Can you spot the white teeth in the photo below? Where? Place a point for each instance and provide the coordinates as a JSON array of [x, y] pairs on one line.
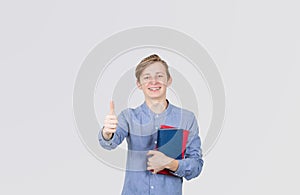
[[154, 88]]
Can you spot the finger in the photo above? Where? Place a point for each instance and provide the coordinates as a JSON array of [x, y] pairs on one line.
[[111, 126], [111, 116], [111, 121], [108, 130], [150, 169], [112, 107], [151, 152]]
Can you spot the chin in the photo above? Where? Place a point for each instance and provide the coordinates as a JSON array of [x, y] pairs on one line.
[[154, 97]]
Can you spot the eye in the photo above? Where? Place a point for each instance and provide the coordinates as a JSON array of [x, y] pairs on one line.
[[146, 78], [160, 75]]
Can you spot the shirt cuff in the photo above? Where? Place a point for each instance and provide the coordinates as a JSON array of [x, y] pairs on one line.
[[104, 142], [180, 170]]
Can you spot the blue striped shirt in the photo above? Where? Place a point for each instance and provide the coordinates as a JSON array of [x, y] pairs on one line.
[[139, 127]]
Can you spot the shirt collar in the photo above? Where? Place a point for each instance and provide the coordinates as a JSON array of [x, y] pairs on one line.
[[146, 109]]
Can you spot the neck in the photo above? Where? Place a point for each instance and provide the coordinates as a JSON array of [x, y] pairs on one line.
[[157, 106]]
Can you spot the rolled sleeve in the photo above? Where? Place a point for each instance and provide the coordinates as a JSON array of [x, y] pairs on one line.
[[107, 144], [189, 168]]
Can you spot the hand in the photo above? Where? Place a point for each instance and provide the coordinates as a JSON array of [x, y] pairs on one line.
[[158, 161], [110, 123]]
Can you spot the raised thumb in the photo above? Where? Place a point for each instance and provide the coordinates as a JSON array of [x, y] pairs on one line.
[[111, 107]]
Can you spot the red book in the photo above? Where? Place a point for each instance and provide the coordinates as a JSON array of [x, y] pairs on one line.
[[172, 142]]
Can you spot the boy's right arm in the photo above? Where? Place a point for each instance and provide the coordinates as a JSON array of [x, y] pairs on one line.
[[114, 130]]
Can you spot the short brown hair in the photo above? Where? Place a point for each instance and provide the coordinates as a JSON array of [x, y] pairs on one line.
[[148, 61]]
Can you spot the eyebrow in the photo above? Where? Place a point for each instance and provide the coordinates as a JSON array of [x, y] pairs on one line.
[[155, 73]]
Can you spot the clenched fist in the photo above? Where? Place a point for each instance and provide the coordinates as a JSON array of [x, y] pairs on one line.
[[110, 123], [158, 161]]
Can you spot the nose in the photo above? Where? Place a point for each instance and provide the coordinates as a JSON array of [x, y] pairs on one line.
[[153, 80]]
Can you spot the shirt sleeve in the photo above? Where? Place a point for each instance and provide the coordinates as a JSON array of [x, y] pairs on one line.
[[191, 166], [118, 137]]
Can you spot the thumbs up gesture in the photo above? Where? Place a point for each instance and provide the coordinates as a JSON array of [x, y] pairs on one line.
[[110, 123]]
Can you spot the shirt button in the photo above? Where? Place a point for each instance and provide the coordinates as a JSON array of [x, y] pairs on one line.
[[157, 116], [151, 187], [155, 142], [156, 128]]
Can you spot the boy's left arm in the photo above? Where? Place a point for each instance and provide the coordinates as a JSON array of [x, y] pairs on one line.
[[191, 166]]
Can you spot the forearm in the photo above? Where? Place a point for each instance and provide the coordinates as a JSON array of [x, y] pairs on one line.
[[173, 165]]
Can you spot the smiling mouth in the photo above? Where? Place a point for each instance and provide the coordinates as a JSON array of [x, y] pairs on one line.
[[154, 88]]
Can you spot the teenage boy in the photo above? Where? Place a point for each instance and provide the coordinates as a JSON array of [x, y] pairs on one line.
[[139, 126]]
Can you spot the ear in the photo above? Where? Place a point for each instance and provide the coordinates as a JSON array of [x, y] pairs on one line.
[[169, 82], [138, 84]]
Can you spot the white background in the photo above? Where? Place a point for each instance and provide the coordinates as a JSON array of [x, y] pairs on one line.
[[255, 44]]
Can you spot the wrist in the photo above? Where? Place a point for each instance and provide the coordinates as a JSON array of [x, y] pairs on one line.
[[173, 165]]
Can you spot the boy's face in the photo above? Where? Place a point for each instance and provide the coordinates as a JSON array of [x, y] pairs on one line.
[[154, 81]]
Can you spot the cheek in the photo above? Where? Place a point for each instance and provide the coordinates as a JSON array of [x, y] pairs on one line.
[[139, 85], [144, 87], [163, 82]]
